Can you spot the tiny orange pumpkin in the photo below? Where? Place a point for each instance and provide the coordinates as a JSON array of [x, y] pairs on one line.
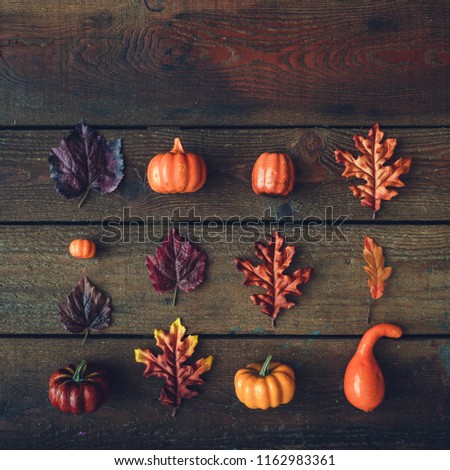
[[273, 174], [265, 385], [82, 248], [177, 171]]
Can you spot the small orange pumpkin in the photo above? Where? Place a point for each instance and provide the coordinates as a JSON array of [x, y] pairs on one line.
[[177, 171], [82, 248], [273, 174], [265, 385]]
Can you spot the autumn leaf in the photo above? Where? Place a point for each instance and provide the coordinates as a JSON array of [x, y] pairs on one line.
[[378, 273], [85, 161], [371, 167], [86, 309], [176, 263], [270, 275], [170, 365]]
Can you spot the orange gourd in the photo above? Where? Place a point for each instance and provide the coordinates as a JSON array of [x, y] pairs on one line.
[[177, 171], [82, 248], [273, 174], [265, 385], [363, 381]]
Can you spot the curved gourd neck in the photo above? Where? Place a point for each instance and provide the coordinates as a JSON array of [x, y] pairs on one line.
[[371, 336]]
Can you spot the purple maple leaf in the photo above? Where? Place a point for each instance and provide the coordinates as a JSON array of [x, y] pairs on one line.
[[86, 309], [85, 161], [176, 263]]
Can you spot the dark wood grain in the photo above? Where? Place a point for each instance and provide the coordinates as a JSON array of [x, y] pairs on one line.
[[37, 273], [28, 194], [233, 79], [225, 63], [414, 413]]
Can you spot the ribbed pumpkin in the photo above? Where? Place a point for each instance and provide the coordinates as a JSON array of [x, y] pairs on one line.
[[81, 389], [82, 248], [273, 174], [265, 385], [177, 171]]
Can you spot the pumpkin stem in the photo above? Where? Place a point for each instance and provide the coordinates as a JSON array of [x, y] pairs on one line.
[[265, 367], [85, 195], [78, 376], [177, 146]]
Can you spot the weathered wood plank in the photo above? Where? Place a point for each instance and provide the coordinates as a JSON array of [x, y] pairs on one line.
[[37, 273], [28, 194], [235, 63], [414, 413]]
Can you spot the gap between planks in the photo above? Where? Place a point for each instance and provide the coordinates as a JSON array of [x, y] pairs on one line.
[[259, 223], [145, 127], [227, 336]]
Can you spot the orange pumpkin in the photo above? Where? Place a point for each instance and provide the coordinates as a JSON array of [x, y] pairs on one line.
[[273, 174], [265, 385], [82, 248], [363, 381], [177, 171]]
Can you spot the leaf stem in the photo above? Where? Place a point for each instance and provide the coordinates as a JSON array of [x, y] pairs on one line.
[[369, 306], [265, 367], [174, 411], [85, 336], [174, 298], [374, 214], [85, 195], [274, 322]]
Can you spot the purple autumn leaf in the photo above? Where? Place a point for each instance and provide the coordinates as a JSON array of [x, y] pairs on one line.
[[85, 161], [176, 263], [86, 309]]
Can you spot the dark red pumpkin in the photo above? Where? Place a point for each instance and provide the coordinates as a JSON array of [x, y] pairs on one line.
[[77, 390], [273, 174]]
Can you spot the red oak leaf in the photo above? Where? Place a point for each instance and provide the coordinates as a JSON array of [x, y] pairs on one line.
[[170, 365], [371, 167], [176, 263], [269, 275]]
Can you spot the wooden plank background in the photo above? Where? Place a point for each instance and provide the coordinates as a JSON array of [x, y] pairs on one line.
[[334, 300], [243, 62], [319, 413], [229, 154], [233, 79]]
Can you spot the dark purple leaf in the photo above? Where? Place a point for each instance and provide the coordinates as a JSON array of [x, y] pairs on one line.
[[177, 262], [86, 308], [84, 161]]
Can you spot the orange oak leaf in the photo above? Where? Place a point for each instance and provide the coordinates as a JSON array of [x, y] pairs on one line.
[[378, 273], [170, 365], [371, 167], [269, 275]]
